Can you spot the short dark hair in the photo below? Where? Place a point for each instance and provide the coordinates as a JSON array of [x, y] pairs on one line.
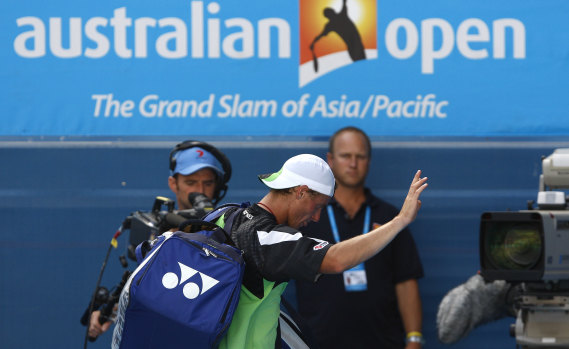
[[287, 191], [349, 129]]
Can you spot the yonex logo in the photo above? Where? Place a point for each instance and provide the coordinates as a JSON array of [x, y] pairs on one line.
[[190, 290], [200, 153]]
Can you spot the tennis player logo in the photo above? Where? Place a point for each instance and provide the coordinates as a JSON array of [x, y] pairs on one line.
[[335, 33]]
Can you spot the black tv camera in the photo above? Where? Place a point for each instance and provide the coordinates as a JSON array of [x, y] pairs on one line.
[[147, 225]]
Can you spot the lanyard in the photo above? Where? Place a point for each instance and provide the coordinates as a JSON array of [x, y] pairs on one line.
[[335, 227]]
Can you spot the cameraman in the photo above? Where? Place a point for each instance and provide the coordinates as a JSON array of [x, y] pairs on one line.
[[195, 167]]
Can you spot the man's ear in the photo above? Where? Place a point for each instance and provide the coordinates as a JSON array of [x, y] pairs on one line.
[[173, 184], [300, 191], [329, 158]]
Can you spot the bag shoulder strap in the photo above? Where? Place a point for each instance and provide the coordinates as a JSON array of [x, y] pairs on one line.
[[231, 210], [219, 211]]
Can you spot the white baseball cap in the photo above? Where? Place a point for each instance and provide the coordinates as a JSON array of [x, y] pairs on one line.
[[303, 169]]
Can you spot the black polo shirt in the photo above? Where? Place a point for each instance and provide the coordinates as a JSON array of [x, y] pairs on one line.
[[365, 319], [275, 251]]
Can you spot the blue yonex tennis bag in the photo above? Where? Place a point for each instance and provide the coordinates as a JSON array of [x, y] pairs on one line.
[[184, 292]]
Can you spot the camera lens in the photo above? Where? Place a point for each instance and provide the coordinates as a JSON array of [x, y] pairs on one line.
[[523, 246], [514, 246]]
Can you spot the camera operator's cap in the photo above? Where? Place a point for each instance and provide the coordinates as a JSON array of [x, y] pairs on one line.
[[303, 169], [194, 159]]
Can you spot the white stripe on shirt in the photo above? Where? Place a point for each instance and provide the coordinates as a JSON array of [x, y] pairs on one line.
[[275, 237]]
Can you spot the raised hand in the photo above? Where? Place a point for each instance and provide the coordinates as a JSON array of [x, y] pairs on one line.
[[412, 203]]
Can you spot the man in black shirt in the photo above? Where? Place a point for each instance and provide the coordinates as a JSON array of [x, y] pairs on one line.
[[377, 304]]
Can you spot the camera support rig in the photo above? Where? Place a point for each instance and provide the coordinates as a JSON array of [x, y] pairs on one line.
[[542, 316]]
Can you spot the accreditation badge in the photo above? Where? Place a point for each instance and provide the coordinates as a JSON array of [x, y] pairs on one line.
[[355, 279]]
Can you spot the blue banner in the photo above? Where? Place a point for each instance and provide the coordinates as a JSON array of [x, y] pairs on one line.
[[266, 67]]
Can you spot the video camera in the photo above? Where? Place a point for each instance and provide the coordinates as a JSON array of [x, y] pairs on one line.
[[530, 249], [146, 225], [531, 245]]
